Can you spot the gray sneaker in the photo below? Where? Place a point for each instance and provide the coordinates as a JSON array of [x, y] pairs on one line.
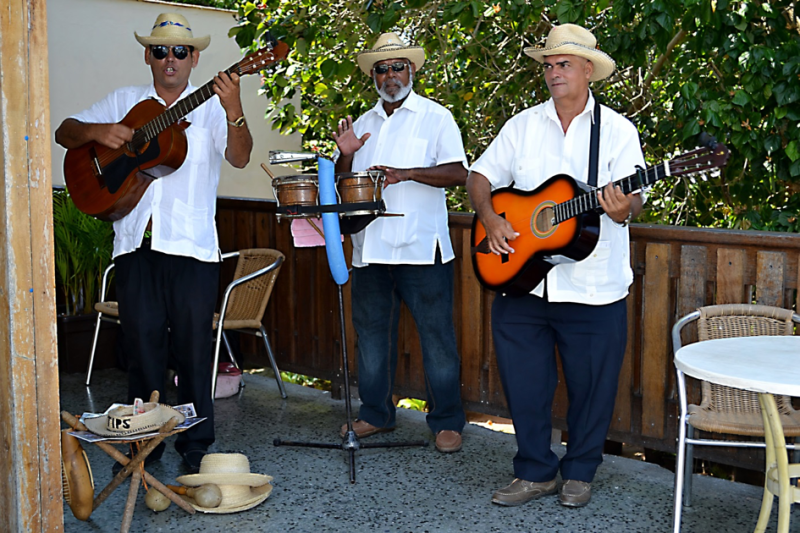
[[575, 493], [521, 491]]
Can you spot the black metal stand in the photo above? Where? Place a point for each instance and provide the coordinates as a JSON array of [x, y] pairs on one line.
[[350, 442]]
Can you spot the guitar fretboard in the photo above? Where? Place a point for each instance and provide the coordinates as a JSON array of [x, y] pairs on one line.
[[588, 201], [172, 115]]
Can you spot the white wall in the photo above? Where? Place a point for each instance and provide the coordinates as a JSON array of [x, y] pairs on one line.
[[93, 51]]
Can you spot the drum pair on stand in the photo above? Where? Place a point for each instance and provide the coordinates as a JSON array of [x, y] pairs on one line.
[[358, 199]]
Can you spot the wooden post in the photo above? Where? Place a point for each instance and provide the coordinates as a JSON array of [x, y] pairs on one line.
[[31, 498]]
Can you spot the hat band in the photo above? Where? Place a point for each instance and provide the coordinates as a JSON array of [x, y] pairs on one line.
[[565, 43], [171, 23]]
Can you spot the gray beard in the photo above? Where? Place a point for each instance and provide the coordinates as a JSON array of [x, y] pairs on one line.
[[402, 93]]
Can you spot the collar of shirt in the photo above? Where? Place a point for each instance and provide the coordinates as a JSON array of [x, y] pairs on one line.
[[552, 114], [151, 93], [413, 102]]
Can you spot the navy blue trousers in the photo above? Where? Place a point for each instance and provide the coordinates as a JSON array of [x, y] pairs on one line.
[[166, 306], [591, 341], [377, 292]]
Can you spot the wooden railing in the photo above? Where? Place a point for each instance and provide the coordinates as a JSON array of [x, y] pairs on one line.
[[676, 270]]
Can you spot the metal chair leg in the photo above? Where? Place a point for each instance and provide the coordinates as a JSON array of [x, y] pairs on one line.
[[688, 468], [230, 351], [272, 362], [94, 349]]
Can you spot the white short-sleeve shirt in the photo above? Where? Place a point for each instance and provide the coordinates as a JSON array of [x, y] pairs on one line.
[[531, 148], [182, 204], [420, 133]]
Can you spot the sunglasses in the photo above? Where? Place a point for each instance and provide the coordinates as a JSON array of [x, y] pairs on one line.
[[384, 68], [180, 52]]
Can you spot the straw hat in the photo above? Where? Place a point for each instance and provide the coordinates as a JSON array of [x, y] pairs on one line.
[[172, 29], [240, 488], [578, 41], [122, 422], [390, 46]]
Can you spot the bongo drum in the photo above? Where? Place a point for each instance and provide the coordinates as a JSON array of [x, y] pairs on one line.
[[295, 191], [360, 192]]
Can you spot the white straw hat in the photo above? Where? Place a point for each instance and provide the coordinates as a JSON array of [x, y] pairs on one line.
[[390, 46], [172, 29], [121, 422], [574, 40], [240, 488]]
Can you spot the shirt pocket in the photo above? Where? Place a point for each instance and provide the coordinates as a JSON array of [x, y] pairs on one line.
[[190, 222], [398, 232], [526, 172], [407, 153]]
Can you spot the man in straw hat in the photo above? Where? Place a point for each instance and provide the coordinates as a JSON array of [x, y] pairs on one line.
[[166, 249], [418, 146], [580, 306]]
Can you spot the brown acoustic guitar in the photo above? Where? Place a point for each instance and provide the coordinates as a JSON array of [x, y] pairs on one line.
[[559, 221], [107, 183]]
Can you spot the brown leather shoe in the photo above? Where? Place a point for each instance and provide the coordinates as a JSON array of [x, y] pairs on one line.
[[521, 491], [448, 441], [363, 429], [575, 493]]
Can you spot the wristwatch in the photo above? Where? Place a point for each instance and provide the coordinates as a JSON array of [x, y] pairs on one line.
[[238, 123], [627, 220]]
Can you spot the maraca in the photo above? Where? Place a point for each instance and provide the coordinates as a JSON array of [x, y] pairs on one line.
[[208, 495], [155, 500]]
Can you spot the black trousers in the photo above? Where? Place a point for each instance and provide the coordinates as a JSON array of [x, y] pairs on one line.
[[591, 341], [166, 306]]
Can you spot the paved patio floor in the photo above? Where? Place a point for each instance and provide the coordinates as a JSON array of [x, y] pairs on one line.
[[412, 490]]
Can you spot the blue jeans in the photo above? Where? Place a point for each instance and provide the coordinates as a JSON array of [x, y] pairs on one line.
[[427, 290]]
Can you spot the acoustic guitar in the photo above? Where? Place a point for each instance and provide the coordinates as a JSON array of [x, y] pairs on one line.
[[559, 221], [107, 183]]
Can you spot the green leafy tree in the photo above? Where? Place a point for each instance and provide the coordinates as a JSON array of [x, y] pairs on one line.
[[684, 66]]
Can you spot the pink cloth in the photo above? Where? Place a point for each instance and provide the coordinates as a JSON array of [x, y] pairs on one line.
[[305, 235]]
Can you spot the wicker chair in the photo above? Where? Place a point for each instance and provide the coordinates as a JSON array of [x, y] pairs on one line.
[[252, 264], [245, 301], [724, 409]]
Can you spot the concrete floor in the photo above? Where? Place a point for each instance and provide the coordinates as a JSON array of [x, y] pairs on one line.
[[412, 490]]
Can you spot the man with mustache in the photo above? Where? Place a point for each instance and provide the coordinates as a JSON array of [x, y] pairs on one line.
[[418, 146]]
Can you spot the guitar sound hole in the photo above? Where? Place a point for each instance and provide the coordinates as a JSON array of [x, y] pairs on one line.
[[543, 221]]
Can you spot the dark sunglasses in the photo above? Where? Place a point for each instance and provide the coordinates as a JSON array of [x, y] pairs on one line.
[[180, 52], [384, 68]]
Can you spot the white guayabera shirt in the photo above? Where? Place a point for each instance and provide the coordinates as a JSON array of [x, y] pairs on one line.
[[420, 133], [531, 148], [182, 204]]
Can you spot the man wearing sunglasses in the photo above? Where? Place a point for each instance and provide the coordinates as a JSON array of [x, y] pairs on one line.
[[418, 146], [166, 249]]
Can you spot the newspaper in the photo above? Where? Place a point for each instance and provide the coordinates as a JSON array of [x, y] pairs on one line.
[[187, 409]]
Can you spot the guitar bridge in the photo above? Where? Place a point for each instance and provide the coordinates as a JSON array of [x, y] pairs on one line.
[[97, 170]]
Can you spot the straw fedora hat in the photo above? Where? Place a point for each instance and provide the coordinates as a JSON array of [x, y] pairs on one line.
[[390, 46], [172, 29], [578, 41], [121, 421], [240, 488]]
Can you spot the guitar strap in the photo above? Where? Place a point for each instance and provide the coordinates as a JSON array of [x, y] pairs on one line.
[[594, 145]]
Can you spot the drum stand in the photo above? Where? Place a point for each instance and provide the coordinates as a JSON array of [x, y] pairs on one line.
[[350, 442]]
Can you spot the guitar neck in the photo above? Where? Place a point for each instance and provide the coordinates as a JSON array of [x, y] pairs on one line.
[[182, 108], [588, 201]]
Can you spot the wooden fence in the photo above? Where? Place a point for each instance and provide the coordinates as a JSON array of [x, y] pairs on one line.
[[676, 270]]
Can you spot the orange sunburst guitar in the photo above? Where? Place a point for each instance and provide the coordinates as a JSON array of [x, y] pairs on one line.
[[108, 183], [559, 222]]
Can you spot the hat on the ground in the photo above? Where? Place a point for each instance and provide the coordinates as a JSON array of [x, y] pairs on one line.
[[390, 46], [121, 421], [578, 41], [172, 29], [240, 488]]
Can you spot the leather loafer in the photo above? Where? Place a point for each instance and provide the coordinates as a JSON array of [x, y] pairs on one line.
[[521, 491], [363, 429], [192, 459], [448, 441], [575, 493]]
